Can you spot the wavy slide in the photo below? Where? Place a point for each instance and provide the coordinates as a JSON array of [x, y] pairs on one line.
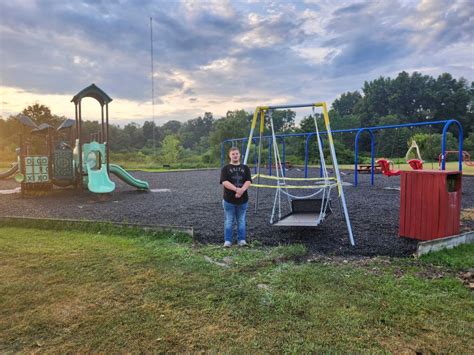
[[125, 176], [9, 172]]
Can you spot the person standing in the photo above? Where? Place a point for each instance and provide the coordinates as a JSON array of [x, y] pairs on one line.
[[236, 179]]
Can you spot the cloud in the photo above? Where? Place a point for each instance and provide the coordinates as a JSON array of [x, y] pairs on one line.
[[219, 55], [437, 25]]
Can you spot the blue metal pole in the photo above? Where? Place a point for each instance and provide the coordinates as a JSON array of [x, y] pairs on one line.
[[306, 159], [356, 156], [373, 128], [372, 155], [443, 144], [461, 141], [222, 153]]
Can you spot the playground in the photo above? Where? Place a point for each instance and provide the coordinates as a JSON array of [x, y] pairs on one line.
[[324, 260], [193, 198], [290, 205]]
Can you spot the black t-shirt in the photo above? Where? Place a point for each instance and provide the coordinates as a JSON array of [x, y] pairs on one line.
[[237, 175]]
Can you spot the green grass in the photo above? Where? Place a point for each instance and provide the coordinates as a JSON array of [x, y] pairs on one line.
[[84, 291], [460, 258]]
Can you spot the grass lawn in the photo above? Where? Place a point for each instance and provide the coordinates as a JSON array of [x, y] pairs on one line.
[[78, 292]]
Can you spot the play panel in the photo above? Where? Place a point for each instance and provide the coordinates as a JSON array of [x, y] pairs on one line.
[[36, 169]]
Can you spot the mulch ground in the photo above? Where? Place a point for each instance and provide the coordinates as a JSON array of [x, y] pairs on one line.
[[194, 198]]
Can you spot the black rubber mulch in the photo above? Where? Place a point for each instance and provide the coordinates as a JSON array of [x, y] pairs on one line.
[[194, 198]]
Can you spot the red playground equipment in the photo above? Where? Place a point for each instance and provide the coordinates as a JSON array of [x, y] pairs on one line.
[[416, 164], [387, 167], [466, 157]]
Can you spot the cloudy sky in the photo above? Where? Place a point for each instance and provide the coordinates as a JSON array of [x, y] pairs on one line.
[[220, 55]]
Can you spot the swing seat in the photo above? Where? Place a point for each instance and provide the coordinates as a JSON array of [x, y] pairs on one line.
[[415, 164], [304, 213], [386, 169]]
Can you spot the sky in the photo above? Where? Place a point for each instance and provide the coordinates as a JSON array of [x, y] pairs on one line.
[[219, 55]]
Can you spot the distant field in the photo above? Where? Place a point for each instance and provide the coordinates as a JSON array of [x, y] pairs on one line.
[[63, 292]]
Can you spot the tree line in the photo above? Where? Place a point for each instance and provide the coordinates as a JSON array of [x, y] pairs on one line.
[[403, 99]]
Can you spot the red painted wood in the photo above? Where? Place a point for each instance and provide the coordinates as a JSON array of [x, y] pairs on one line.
[[443, 212], [401, 228], [427, 209]]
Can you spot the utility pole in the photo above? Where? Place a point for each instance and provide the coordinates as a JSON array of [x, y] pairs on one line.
[[152, 85]]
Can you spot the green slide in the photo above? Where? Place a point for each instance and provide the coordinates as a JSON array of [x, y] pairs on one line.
[[99, 180], [123, 175], [9, 172]]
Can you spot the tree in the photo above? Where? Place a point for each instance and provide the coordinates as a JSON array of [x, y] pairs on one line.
[[42, 114], [416, 98], [193, 130], [90, 129], [236, 124], [171, 127], [307, 123], [468, 145], [148, 128], [375, 102], [170, 149], [119, 140], [283, 121], [345, 104], [430, 144], [410, 97], [452, 99]]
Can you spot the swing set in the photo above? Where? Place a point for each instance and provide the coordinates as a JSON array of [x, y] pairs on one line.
[[372, 167], [308, 210]]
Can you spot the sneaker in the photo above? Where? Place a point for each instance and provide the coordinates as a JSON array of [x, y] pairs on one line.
[[242, 243], [227, 244]]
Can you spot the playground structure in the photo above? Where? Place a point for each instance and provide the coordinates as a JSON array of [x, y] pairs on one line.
[[305, 211], [416, 163], [46, 156], [466, 157], [308, 136], [387, 166]]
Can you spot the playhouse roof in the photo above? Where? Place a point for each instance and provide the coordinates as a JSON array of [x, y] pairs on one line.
[[92, 91], [67, 123], [42, 128], [25, 120]]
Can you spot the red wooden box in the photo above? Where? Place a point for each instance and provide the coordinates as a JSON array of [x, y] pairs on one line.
[[430, 204]]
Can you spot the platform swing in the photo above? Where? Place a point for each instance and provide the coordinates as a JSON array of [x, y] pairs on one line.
[[309, 210]]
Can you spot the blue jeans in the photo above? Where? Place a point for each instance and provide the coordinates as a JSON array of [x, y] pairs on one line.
[[234, 213]]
